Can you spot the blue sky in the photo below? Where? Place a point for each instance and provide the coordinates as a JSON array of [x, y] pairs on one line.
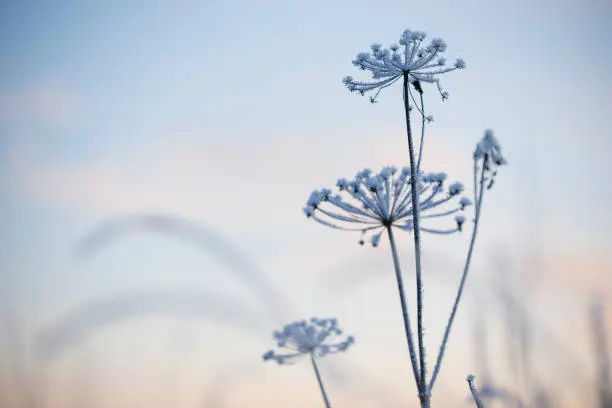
[[230, 113]]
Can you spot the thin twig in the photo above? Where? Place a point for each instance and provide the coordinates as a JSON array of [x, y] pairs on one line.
[[474, 391], [480, 194], [423, 394], [323, 393], [422, 134]]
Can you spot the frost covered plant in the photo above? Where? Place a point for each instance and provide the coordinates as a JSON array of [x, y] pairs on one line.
[[487, 158], [376, 203], [314, 339], [373, 203], [411, 59], [415, 64]]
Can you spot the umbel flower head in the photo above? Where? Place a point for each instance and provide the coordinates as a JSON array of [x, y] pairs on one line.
[[316, 338], [488, 153], [422, 63], [372, 202]]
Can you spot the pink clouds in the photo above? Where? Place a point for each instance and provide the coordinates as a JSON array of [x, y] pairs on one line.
[[581, 271]]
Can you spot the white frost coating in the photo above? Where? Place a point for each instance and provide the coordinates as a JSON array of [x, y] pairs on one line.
[[372, 202], [487, 157], [422, 63], [464, 202], [317, 338], [460, 219], [488, 153], [489, 145], [455, 188], [376, 239]]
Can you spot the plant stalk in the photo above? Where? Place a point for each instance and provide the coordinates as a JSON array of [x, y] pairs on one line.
[[480, 194], [400, 288], [320, 381], [422, 134], [423, 394], [474, 391]]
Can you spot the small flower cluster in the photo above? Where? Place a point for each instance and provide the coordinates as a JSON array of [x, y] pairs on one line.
[[317, 338], [410, 57], [488, 150], [372, 202]]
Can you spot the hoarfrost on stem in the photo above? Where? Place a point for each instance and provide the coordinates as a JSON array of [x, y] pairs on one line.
[[475, 394], [487, 158]]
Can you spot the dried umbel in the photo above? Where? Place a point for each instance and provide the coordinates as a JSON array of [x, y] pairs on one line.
[[371, 202], [317, 338], [421, 63]]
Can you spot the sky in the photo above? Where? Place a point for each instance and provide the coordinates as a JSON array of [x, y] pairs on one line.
[[229, 114]]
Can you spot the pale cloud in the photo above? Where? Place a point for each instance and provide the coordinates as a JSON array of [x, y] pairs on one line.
[[242, 183], [256, 187], [253, 186], [46, 103]]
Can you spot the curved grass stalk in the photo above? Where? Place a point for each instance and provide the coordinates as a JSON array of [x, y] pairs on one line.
[[205, 238]]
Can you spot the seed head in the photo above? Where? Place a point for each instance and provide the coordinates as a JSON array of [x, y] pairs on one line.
[[318, 337], [421, 63], [372, 202]]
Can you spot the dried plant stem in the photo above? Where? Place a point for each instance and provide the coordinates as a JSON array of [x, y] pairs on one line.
[[423, 120], [422, 380], [320, 381], [477, 400], [479, 194], [402, 296]]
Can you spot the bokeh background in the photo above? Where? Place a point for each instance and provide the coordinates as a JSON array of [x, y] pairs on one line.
[[226, 115]]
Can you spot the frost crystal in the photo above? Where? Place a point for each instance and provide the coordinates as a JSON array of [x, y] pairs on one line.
[[411, 57], [372, 202], [317, 338]]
